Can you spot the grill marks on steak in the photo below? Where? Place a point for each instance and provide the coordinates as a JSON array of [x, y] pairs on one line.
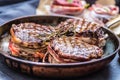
[[73, 48], [74, 40], [30, 31], [85, 43], [30, 34], [29, 40], [81, 28]]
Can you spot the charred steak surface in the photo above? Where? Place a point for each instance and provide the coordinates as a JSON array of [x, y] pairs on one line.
[[74, 40], [30, 34], [74, 48], [90, 32], [81, 27]]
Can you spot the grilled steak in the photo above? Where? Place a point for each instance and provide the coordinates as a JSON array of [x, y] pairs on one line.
[[26, 53], [29, 40], [73, 49], [30, 35], [81, 28], [74, 40]]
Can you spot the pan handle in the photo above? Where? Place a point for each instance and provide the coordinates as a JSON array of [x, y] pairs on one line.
[[113, 21]]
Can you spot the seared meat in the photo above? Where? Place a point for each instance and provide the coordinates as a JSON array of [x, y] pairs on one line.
[[26, 53], [74, 40], [73, 49], [30, 35], [84, 29], [81, 27], [29, 40]]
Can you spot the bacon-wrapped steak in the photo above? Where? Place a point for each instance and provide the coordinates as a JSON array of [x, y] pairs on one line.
[[74, 40], [72, 49], [29, 40], [31, 35], [88, 31]]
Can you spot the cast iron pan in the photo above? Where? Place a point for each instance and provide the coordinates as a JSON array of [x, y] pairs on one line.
[[54, 70]]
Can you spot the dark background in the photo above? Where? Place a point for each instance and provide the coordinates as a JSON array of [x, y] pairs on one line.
[[10, 9]]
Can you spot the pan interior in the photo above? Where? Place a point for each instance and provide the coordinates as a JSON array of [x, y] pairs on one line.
[[109, 48]]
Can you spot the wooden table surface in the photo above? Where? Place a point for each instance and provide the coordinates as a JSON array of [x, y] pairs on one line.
[[110, 72]]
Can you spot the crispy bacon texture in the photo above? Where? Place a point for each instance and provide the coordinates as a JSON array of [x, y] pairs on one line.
[[26, 53]]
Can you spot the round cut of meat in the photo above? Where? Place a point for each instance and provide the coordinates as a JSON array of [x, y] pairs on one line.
[[90, 32], [73, 49], [30, 35]]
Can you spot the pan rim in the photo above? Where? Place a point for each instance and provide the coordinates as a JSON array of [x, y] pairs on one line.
[[56, 64]]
